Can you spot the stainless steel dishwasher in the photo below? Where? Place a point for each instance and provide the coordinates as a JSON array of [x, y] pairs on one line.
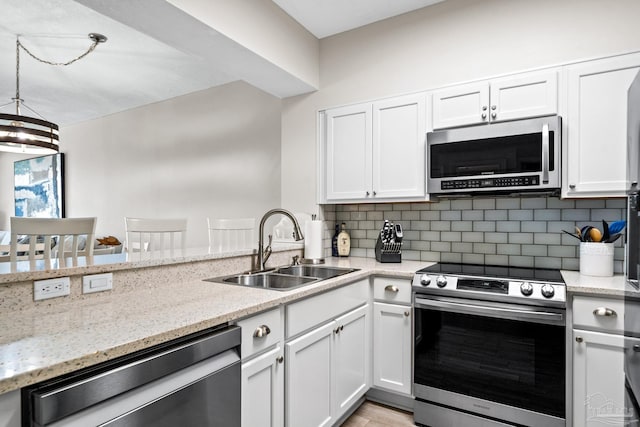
[[191, 381]]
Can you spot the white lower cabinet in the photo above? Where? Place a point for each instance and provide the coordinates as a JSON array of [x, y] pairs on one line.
[[600, 358], [327, 370], [263, 390], [392, 347]]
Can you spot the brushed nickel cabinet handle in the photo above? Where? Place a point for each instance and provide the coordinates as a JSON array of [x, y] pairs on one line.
[[605, 312], [261, 331], [407, 313], [636, 348], [336, 330], [579, 339], [280, 359], [391, 288]]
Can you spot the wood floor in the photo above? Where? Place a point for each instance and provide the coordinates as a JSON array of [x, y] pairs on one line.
[[372, 414]]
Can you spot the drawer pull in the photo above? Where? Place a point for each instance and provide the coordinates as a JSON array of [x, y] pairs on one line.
[[605, 312], [261, 331], [636, 348], [579, 339], [280, 359], [391, 288], [407, 313], [336, 330]]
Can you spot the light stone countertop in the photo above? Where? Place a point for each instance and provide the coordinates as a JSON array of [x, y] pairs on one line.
[[615, 286], [50, 340]]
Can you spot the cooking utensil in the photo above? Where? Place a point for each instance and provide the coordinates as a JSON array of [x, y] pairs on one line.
[[595, 235], [605, 231], [617, 226], [613, 238], [573, 235]]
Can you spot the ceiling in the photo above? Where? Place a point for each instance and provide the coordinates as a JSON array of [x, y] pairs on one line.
[[146, 58]]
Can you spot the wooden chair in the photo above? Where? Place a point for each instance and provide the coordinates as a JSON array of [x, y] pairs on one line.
[[148, 235], [228, 235], [48, 229]]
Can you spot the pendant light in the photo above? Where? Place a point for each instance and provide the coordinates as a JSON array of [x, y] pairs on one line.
[[32, 135]]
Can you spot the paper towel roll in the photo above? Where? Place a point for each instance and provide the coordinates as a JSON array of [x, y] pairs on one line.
[[313, 240]]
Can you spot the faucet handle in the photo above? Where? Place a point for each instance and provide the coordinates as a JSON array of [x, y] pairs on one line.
[[295, 260]]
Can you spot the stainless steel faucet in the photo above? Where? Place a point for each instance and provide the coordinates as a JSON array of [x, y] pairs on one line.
[[265, 253]]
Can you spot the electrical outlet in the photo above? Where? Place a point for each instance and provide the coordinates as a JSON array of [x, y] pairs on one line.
[[51, 288], [97, 283]]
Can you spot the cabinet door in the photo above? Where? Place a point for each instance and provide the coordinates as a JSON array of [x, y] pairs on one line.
[[399, 132], [348, 153], [524, 96], [308, 378], [263, 390], [351, 373], [599, 378], [461, 105], [596, 143], [392, 347]]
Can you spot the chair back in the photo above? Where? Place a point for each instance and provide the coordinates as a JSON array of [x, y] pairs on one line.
[[227, 235], [44, 233], [157, 236]]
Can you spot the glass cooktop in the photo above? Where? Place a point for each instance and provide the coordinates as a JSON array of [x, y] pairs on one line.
[[496, 271]]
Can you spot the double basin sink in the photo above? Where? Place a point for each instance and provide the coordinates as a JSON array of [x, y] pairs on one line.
[[284, 278]]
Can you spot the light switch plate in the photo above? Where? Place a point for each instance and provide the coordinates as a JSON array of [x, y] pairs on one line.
[[51, 288], [97, 283]]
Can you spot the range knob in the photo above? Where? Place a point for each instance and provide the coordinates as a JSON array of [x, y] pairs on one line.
[[547, 291], [425, 280], [441, 281], [526, 289]]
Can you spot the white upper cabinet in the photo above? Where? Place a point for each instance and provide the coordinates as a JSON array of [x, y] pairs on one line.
[[376, 151], [596, 126], [515, 97], [399, 134], [461, 105], [348, 151]]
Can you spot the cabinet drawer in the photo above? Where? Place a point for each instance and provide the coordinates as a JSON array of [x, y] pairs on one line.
[[392, 290], [303, 315], [584, 316], [260, 332]]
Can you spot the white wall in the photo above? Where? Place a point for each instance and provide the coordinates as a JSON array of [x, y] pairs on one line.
[[210, 153], [450, 42]]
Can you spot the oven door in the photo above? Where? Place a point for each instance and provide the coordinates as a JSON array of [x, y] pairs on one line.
[[501, 361]]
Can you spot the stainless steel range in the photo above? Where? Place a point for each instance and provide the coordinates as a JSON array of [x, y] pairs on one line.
[[489, 346]]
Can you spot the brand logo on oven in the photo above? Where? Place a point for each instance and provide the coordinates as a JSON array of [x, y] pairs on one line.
[[606, 411]]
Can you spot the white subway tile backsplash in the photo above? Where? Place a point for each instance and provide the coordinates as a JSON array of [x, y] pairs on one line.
[[441, 225], [484, 204], [534, 250], [450, 236], [430, 215], [496, 215], [508, 226], [473, 236], [508, 204], [484, 226], [546, 214], [450, 215], [521, 215], [533, 203], [533, 226], [521, 238], [522, 232], [472, 215], [461, 205], [461, 225], [547, 238]]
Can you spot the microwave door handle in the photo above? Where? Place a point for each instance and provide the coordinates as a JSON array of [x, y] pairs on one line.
[[545, 153]]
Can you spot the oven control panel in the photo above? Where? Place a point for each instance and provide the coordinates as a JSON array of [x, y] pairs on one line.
[[505, 288]]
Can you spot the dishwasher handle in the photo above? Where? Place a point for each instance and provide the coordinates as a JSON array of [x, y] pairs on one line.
[[58, 398]]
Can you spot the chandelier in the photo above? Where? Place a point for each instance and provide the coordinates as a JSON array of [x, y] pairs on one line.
[[33, 135]]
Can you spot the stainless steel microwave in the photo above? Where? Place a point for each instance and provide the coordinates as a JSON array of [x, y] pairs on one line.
[[517, 156]]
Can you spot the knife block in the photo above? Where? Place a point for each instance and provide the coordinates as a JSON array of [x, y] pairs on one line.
[[388, 252]]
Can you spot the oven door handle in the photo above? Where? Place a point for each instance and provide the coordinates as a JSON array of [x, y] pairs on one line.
[[491, 311], [545, 153]]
